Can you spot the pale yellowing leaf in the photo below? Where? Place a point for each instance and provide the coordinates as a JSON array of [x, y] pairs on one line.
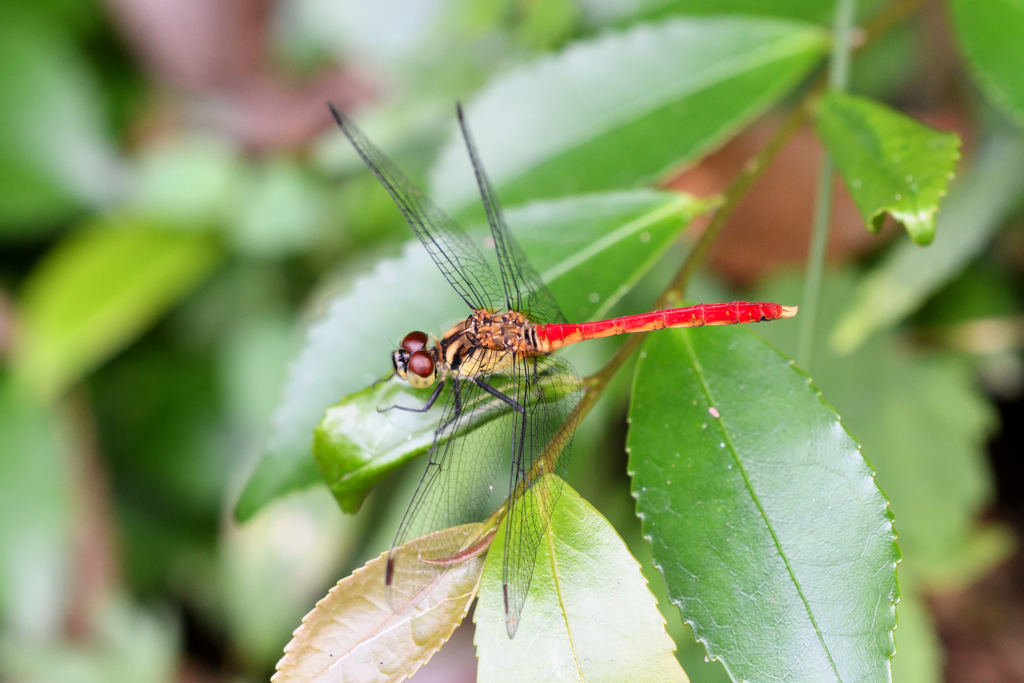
[[363, 632]]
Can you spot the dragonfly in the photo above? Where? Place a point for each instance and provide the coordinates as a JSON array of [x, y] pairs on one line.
[[510, 396]]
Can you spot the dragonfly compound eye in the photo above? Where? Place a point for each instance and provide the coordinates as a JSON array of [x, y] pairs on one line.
[[421, 364], [414, 341]]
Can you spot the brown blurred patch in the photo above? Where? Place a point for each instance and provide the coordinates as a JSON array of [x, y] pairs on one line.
[[214, 58], [6, 324], [771, 227], [96, 561], [982, 627]]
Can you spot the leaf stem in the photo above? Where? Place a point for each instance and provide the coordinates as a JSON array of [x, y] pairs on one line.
[[674, 294], [838, 75]]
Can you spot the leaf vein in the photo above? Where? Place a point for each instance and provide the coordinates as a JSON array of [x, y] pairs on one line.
[[561, 601]]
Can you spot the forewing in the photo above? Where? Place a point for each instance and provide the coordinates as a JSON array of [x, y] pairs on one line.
[[454, 253], [550, 389], [524, 290]]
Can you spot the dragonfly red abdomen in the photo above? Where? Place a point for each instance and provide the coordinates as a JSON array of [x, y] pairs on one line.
[[553, 337]]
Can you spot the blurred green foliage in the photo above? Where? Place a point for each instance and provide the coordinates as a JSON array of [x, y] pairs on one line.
[[181, 301]]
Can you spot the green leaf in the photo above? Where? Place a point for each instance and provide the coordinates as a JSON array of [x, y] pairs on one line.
[[889, 162], [36, 515], [589, 617], [190, 182], [357, 445], [989, 33], [55, 154], [599, 12], [280, 212], [605, 11], [98, 290], [907, 276], [590, 249], [353, 634], [765, 519], [924, 424], [625, 108]]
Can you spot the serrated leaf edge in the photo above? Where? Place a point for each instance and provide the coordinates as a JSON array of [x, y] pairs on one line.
[[894, 599]]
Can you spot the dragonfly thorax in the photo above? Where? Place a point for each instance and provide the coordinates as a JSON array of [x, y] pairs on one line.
[[504, 331]]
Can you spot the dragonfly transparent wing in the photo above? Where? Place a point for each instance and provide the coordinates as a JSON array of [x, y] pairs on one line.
[[524, 290], [461, 262], [457, 486], [549, 388]]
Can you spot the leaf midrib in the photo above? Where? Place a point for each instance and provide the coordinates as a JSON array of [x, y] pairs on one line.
[[398, 619], [757, 501], [561, 601]]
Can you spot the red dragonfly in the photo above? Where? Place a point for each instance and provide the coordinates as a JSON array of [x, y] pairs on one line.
[[509, 394]]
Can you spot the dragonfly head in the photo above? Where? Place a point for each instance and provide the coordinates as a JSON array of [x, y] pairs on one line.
[[413, 362]]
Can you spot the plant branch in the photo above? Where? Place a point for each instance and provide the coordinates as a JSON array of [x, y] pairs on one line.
[[838, 75], [674, 294], [594, 385]]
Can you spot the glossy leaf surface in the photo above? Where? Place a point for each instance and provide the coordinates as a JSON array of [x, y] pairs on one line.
[[907, 275], [590, 615], [590, 250], [924, 423], [905, 408], [989, 33], [356, 445], [764, 517], [354, 634], [891, 164], [625, 108], [99, 289]]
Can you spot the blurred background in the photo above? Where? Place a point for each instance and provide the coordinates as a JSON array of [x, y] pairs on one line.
[[175, 208]]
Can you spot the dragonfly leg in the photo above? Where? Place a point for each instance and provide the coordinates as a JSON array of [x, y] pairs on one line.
[[392, 374], [427, 406], [518, 458], [500, 396]]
